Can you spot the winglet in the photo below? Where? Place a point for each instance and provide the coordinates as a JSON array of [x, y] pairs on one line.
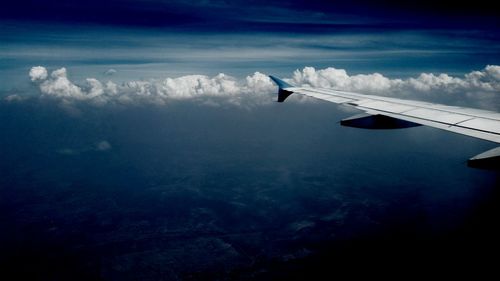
[[282, 94], [282, 84]]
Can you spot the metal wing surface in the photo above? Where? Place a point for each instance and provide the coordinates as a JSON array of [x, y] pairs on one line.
[[392, 113]]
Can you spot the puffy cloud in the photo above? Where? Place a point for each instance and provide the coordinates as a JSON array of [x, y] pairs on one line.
[[476, 89], [38, 73], [259, 83], [486, 80], [61, 87], [493, 71], [221, 87], [198, 85], [58, 85], [339, 79]]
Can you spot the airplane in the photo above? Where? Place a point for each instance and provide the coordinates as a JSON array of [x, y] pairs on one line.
[[393, 113]]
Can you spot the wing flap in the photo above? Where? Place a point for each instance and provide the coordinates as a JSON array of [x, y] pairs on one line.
[[437, 116], [471, 132], [487, 125]]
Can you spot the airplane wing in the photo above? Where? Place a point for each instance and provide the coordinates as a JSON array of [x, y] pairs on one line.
[[392, 113]]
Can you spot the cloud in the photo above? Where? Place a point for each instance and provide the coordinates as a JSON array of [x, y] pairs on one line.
[[110, 72], [14, 98], [189, 87], [58, 85], [67, 151], [476, 89], [103, 146], [38, 73]]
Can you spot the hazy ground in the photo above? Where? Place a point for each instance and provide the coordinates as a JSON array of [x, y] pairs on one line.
[[192, 191]]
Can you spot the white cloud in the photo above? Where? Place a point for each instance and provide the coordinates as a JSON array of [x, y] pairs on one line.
[[339, 79], [58, 85], [110, 71], [13, 98], [259, 84], [493, 71], [38, 73], [487, 80], [476, 89], [221, 87], [198, 85]]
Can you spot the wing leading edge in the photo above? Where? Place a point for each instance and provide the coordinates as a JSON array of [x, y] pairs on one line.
[[392, 113]]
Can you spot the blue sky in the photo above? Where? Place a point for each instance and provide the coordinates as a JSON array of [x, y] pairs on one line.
[[151, 55], [256, 14], [158, 39]]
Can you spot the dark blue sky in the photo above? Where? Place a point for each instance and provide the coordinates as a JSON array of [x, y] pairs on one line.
[[154, 39], [395, 38], [258, 14]]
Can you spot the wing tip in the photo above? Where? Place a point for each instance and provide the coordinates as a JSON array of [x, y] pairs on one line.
[[281, 84]]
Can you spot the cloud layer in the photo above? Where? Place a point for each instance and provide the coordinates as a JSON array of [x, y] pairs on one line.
[[475, 89], [193, 87]]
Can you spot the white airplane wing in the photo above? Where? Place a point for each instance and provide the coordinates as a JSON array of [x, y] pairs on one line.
[[392, 113]]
